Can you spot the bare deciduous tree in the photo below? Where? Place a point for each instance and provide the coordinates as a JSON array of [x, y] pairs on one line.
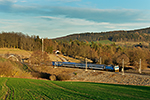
[[121, 57], [39, 58]]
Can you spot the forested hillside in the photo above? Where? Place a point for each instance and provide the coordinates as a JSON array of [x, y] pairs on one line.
[[115, 36], [110, 54], [19, 40], [25, 42]]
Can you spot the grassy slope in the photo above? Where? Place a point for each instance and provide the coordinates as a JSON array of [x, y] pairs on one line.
[[25, 53], [132, 43], [15, 51], [103, 42], [13, 69], [15, 88]]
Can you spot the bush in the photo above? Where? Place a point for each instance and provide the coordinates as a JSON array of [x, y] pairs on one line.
[[63, 77], [10, 68], [39, 58], [52, 78], [75, 73], [6, 69]]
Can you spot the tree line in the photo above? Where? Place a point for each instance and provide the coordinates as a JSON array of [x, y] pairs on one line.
[[19, 40], [110, 54], [115, 36]]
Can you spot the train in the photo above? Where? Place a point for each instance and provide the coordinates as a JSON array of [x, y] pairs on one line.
[[89, 66]]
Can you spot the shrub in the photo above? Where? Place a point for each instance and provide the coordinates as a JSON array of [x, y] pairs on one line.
[[120, 58], [39, 58], [75, 73], [10, 68], [6, 69], [63, 77], [52, 78]]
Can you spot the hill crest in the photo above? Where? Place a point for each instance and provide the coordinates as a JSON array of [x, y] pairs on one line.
[[115, 36]]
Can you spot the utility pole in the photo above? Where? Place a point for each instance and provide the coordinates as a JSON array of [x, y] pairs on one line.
[[42, 49], [42, 45], [100, 59], [122, 66], [86, 64], [140, 66]]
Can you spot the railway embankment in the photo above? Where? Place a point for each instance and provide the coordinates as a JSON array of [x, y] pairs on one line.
[[75, 74], [110, 77]]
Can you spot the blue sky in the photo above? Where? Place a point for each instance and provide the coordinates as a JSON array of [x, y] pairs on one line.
[[56, 18]]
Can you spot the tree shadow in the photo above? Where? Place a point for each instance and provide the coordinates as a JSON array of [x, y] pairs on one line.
[[38, 74]]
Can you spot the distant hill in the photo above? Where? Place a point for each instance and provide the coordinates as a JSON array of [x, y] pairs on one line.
[[115, 36]]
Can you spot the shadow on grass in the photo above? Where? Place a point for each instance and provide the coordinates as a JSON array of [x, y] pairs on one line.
[[40, 75], [147, 88], [37, 74]]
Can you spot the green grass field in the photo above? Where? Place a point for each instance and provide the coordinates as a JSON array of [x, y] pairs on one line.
[[106, 42], [31, 89], [103, 42]]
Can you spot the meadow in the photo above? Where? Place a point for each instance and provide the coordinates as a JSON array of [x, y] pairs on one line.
[[15, 51], [103, 42], [33, 89]]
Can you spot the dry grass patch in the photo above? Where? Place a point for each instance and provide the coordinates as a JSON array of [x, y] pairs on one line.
[[96, 73], [53, 57], [58, 70], [112, 75], [10, 68], [132, 43], [76, 60], [15, 51], [70, 59]]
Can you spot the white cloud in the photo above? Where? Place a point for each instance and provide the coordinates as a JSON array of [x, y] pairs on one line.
[[96, 15], [72, 21], [143, 19], [61, 26], [59, 21], [64, 25]]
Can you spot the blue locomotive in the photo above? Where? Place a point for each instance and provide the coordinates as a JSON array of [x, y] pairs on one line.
[[89, 66]]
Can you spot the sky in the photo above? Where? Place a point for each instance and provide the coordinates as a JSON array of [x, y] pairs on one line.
[[57, 18]]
